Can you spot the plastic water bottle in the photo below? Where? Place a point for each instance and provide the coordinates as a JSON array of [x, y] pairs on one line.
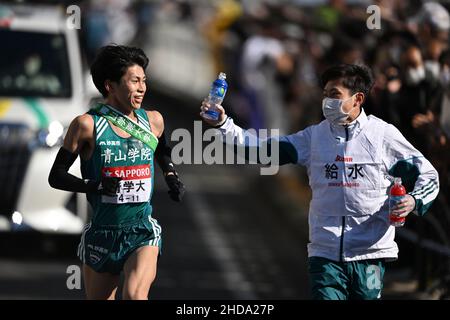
[[396, 194], [216, 96]]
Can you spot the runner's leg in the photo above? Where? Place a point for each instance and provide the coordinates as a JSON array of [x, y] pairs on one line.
[[100, 286], [140, 271]]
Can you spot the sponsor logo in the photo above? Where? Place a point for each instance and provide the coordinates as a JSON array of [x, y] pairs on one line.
[[128, 172], [94, 257], [343, 159], [109, 143]]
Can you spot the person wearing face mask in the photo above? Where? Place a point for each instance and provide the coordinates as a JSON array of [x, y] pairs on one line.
[[436, 122], [349, 157], [432, 52], [415, 75], [420, 87]]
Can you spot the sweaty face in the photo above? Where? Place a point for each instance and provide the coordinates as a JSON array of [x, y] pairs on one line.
[[129, 92]]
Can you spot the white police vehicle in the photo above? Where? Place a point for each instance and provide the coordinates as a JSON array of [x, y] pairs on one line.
[[42, 87]]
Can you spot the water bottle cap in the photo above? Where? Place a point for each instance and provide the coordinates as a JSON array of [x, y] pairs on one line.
[[222, 76]]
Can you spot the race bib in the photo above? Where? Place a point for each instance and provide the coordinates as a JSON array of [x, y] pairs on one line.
[[135, 186]]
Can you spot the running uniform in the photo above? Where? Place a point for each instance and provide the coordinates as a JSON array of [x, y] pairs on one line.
[[348, 168], [122, 223]]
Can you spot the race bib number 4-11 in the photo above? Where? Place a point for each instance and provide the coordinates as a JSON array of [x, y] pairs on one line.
[[135, 185]]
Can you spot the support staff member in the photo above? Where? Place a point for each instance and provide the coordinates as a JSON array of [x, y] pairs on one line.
[[349, 157]]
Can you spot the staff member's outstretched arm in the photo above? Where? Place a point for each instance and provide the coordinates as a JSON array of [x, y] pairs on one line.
[[293, 148]]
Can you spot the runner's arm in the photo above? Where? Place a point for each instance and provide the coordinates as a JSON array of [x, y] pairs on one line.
[[163, 158], [60, 178]]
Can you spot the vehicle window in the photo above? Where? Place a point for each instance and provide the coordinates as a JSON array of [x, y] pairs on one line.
[[34, 64]]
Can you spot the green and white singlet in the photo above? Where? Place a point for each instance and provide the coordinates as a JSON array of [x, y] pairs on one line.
[[126, 158]]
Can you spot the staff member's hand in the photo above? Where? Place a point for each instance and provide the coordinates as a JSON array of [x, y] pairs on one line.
[[405, 206], [214, 123]]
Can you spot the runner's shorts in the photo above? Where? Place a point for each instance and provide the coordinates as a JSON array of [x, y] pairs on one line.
[[107, 248]]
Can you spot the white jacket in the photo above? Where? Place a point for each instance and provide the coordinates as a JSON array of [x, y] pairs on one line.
[[348, 169]]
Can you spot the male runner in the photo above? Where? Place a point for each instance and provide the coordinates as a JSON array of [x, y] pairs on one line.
[[117, 143]]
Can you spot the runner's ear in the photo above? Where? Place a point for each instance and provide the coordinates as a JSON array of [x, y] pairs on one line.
[[108, 86]]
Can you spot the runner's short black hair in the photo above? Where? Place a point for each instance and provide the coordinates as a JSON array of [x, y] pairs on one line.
[[356, 78], [112, 62]]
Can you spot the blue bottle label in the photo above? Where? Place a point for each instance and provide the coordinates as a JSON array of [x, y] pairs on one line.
[[212, 114], [219, 88], [218, 91]]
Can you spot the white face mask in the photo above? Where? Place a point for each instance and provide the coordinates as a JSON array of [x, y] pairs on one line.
[[415, 75], [433, 68], [332, 110]]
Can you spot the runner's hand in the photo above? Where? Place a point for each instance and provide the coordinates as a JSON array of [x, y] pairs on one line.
[[109, 186], [176, 187]]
